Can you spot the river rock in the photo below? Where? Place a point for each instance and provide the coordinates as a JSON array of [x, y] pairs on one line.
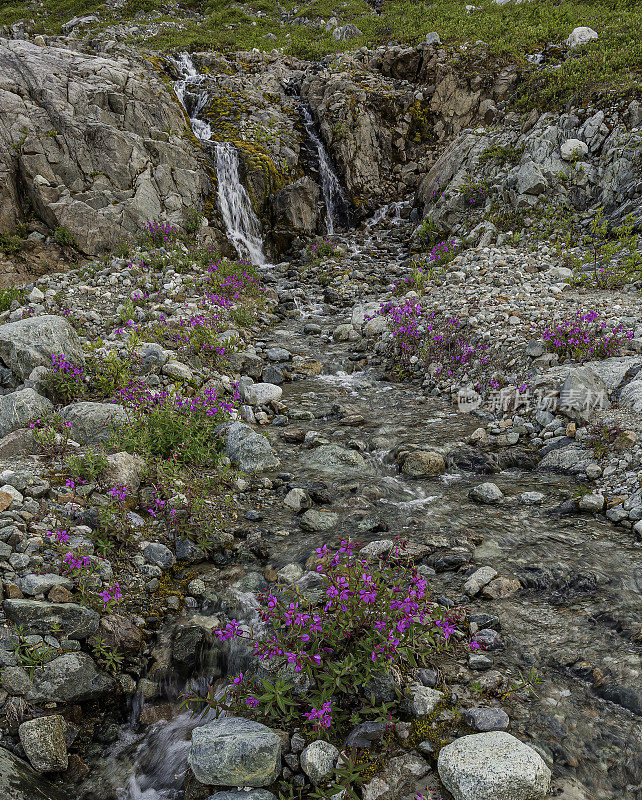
[[297, 500], [74, 621], [582, 394], [44, 742], [92, 423], [70, 678], [248, 450], [232, 751], [19, 781], [315, 520], [318, 760], [124, 469], [30, 343], [493, 766], [333, 459], [488, 493], [423, 464], [478, 580], [18, 408], [260, 394]]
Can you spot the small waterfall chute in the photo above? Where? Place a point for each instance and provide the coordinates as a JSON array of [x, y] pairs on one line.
[[337, 205], [242, 225]]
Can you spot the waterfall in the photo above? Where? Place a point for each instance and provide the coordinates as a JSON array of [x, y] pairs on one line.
[[337, 204], [242, 224]]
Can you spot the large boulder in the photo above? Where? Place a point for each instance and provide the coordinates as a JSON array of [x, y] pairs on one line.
[[92, 423], [582, 394], [493, 766], [36, 617], [232, 751], [18, 781], [18, 408], [295, 207], [30, 343], [248, 450], [103, 150], [332, 459], [70, 678]]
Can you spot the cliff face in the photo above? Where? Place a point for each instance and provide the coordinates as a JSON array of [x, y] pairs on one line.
[[90, 143]]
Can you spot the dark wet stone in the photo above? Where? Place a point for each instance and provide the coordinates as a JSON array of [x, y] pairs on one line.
[[365, 734], [630, 699]]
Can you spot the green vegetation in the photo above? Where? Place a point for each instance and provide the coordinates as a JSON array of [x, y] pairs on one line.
[[7, 296], [612, 65]]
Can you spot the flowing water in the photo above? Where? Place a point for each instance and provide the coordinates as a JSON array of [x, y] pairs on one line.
[[242, 225], [336, 203], [576, 620]]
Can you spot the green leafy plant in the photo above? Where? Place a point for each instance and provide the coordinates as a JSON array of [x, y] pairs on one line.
[[108, 658], [7, 296], [613, 254], [87, 466], [64, 237]]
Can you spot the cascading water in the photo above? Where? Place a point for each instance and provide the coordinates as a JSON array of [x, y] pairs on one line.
[[337, 204], [242, 224]]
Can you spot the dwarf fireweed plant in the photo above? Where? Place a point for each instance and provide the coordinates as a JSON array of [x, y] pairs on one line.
[[612, 254], [65, 380], [585, 338], [364, 620], [51, 435], [433, 338], [189, 505], [474, 194], [168, 425], [231, 280], [159, 233], [429, 268]]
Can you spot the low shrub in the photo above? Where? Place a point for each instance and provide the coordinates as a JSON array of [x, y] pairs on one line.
[[584, 338]]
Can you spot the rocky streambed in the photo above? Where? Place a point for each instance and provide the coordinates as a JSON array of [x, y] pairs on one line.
[[557, 594]]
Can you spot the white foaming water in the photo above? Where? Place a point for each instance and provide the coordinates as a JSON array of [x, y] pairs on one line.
[[242, 224], [391, 212], [333, 194]]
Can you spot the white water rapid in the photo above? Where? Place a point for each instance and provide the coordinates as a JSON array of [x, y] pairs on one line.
[[336, 202], [242, 224]]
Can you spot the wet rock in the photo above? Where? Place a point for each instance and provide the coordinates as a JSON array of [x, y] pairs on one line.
[[501, 587], [74, 621], [573, 459], [186, 648], [314, 520], [232, 751], [248, 450], [336, 460], [628, 698], [70, 678], [423, 464], [488, 493], [318, 760], [30, 343], [18, 408], [493, 766], [422, 700], [93, 423], [44, 743], [484, 720], [478, 580], [489, 639], [18, 781]]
